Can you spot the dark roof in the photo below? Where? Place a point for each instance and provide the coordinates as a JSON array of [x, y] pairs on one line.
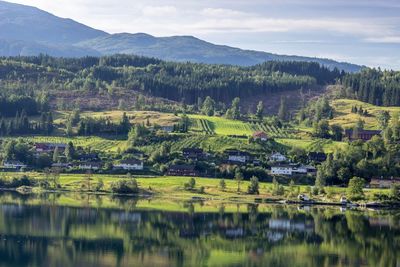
[[232, 152], [182, 167], [193, 150], [131, 161], [374, 132]]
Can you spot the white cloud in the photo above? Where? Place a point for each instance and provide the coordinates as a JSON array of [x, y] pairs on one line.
[[385, 40], [157, 11]]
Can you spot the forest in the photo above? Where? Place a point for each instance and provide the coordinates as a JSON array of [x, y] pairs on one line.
[[377, 87], [183, 82]]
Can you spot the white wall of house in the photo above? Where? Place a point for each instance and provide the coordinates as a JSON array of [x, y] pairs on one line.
[[137, 167], [235, 158], [282, 170]]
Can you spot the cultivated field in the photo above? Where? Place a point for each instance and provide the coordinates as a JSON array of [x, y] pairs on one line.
[[94, 143]]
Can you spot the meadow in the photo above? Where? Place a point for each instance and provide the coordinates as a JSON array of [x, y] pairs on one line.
[[93, 142], [345, 118], [172, 188]]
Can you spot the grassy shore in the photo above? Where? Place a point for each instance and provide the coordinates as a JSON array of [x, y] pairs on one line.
[[173, 188]]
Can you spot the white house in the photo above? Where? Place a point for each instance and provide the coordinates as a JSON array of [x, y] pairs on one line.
[[277, 157], [291, 169], [130, 164], [14, 164], [282, 170], [238, 156]]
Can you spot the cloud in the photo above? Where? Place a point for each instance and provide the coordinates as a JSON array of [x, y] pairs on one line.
[[385, 40], [158, 11]]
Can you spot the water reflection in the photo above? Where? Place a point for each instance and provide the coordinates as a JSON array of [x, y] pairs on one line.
[[47, 234]]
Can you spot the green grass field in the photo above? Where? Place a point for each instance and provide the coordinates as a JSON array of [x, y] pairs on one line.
[[173, 188], [94, 143]]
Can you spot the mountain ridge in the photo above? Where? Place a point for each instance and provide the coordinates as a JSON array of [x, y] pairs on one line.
[[28, 31]]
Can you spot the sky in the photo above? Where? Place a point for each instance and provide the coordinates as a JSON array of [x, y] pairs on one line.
[[365, 32]]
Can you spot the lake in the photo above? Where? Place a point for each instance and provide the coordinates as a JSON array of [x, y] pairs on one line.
[[59, 230]]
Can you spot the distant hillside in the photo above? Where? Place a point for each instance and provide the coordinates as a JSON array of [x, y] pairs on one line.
[[189, 48], [25, 23], [28, 31]]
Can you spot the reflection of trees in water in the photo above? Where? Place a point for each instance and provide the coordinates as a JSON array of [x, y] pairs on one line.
[[284, 236]]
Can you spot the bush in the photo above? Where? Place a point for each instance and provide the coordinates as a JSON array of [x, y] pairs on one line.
[[202, 190], [190, 185], [253, 187], [355, 189], [278, 190], [125, 187], [222, 184], [315, 191]]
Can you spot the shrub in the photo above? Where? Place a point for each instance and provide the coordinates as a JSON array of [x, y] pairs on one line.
[[278, 190], [190, 185], [254, 186], [99, 186], [125, 187], [202, 190], [222, 184], [355, 189]]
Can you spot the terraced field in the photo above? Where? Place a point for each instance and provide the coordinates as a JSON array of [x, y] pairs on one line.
[[95, 143], [227, 127]]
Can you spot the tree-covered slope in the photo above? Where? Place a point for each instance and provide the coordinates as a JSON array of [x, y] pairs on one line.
[[185, 82], [373, 86]]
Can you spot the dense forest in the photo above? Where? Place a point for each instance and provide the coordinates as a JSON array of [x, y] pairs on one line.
[[186, 82], [374, 86]]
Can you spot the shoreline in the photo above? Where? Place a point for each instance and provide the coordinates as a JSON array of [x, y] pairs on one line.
[[231, 200]]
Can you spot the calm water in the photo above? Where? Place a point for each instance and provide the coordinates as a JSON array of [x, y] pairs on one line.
[[39, 232]]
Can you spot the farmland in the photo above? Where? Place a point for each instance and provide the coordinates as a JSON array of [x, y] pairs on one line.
[[94, 143], [222, 126]]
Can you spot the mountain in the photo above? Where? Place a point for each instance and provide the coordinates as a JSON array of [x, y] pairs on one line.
[[28, 31], [189, 48]]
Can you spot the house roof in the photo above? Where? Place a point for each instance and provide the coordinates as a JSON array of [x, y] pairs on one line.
[[182, 167], [260, 134], [192, 150], [373, 132], [131, 161], [14, 162]]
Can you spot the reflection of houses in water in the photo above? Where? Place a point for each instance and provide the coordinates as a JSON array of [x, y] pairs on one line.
[[126, 217], [289, 225], [234, 233], [274, 236]]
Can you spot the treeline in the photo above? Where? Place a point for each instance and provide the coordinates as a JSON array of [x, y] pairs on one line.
[[21, 125], [184, 82], [374, 86], [91, 126]]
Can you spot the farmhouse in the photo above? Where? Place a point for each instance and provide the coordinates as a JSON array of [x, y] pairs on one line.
[[130, 164], [292, 169], [14, 164], [193, 153], [182, 170], [260, 136], [89, 157], [383, 183], [364, 135], [277, 157], [49, 147], [238, 156], [61, 165]]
